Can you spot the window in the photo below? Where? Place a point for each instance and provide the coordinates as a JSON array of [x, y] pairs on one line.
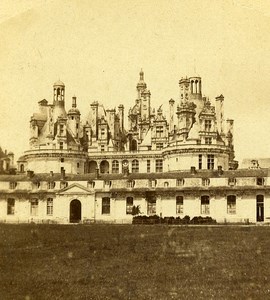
[[179, 205], [159, 165], [129, 205], [210, 162], [78, 165], [10, 206], [61, 129], [231, 204], [205, 205], [115, 166], [151, 206], [91, 184], [36, 184], [61, 145], [62, 159], [207, 125], [107, 183], [130, 183], [63, 184], [180, 182], [106, 206], [152, 183], [200, 161], [231, 181], [159, 146], [51, 185], [135, 166], [12, 185], [49, 206], [102, 148], [159, 131], [208, 141], [148, 166], [205, 181], [166, 184], [260, 181], [102, 131], [34, 207]]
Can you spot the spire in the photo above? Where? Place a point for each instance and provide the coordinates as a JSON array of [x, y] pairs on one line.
[[141, 75]]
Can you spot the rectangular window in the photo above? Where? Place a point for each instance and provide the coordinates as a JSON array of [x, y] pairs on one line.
[[12, 185], [129, 205], [231, 181], [210, 162], [205, 181], [49, 206], [78, 165], [61, 129], [151, 206], [260, 181], [231, 204], [180, 182], [10, 206], [152, 183], [159, 165], [205, 205], [102, 148], [148, 166], [51, 185], [62, 160], [106, 206], [207, 125], [61, 145], [34, 207], [159, 146], [200, 161], [179, 205], [159, 131], [208, 141]]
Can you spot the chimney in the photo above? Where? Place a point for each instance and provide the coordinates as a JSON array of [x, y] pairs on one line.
[[220, 171], [74, 105], [193, 170]]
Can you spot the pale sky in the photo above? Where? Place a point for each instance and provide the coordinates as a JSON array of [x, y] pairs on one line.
[[97, 49]]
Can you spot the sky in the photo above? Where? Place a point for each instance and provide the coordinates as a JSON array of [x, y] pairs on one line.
[[97, 49]]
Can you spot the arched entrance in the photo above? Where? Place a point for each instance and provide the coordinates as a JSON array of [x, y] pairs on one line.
[[75, 211]]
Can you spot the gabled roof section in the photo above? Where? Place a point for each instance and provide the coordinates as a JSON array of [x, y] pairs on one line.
[[75, 188]]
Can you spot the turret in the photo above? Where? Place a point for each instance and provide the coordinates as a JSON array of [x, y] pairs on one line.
[[171, 121], [74, 118], [141, 86], [59, 100]]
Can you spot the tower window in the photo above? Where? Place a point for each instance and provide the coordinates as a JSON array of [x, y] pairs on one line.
[[61, 145], [159, 131], [207, 125], [148, 166], [208, 140], [159, 146], [135, 166], [115, 166], [159, 165], [210, 162]]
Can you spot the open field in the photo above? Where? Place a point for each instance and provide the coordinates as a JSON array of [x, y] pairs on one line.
[[134, 262]]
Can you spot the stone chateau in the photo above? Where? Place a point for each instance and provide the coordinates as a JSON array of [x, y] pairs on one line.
[[99, 169]]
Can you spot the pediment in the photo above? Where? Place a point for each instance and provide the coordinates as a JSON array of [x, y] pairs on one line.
[[75, 188]]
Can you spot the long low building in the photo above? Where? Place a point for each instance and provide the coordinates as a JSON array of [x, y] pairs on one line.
[[225, 195]]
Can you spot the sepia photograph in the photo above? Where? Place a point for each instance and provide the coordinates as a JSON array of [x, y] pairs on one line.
[[134, 149]]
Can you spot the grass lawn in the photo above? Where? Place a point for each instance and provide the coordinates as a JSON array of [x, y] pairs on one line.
[[134, 262]]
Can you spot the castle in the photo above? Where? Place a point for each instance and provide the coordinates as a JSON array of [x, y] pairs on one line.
[[99, 169]]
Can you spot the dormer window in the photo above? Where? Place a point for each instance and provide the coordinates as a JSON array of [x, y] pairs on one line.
[[208, 140], [51, 185], [91, 184], [63, 184], [207, 125], [231, 181], [260, 181], [180, 182], [107, 183], [13, 185], [205, 181], [152, 183], [130, 183]]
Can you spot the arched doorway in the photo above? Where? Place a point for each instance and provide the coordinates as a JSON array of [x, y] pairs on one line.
[[104, 166], [92, 166], [75, 212]]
